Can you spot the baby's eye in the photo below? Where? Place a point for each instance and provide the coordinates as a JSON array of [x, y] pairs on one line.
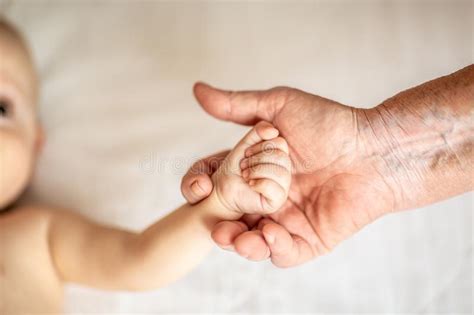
[[4, 108]]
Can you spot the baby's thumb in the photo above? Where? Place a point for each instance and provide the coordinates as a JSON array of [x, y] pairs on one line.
[[195, 188]]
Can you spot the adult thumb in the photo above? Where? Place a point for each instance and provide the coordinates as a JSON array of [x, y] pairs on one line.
[[244, 107]]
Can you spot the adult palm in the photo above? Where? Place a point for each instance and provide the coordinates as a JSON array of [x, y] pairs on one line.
[[339, 182]]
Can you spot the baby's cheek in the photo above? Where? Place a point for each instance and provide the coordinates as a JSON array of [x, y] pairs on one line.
[[16, 159]]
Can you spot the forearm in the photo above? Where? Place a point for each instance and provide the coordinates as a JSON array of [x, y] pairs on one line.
[[109, 258], [424, 137], [173, 246]]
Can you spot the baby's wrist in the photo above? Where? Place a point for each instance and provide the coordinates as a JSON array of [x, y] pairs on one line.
[[213, 206]]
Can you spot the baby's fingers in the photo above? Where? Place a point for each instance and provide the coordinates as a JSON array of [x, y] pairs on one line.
[[272, 194], [280, 175], [265, 131], [276, 157], [261, 132], [268, 146]]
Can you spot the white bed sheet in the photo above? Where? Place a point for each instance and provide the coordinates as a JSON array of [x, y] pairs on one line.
[[122, 126]]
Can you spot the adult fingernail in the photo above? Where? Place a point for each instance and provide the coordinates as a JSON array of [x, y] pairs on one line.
[[270, 238], [268, 253], [228, 247], [252, 182], [245, 173], [244, 255]]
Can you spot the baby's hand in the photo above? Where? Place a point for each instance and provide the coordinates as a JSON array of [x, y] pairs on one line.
[[256, 175]]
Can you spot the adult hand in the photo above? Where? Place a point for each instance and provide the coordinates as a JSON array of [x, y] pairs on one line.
[[333, 184], [350, 165]]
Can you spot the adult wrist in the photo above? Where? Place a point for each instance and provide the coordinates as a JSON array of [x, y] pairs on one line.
[[421, 141]]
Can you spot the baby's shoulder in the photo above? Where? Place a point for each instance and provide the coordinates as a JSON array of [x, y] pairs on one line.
[[26, 219]]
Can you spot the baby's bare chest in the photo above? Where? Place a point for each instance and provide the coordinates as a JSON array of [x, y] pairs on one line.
[[28, 282]]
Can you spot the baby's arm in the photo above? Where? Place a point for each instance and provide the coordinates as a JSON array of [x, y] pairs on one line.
[[109, 258]]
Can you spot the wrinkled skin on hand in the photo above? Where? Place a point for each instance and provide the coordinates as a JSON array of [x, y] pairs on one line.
[[350, 166], [336, 187]]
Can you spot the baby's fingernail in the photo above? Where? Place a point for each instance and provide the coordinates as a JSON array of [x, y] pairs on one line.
[[197, 189], [274, 132], [252, 182], [245, 173]]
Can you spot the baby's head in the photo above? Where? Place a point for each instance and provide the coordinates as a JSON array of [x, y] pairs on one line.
[[20, 134]]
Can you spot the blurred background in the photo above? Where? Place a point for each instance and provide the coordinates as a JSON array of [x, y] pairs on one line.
[[122, 127]]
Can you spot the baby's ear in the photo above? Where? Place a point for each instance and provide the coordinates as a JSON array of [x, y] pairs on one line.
[[40, 139]]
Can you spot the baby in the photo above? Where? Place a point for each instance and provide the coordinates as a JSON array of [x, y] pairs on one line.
[[42, 248]]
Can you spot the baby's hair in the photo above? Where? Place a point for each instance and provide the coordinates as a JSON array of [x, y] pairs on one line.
[[10, 33]]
